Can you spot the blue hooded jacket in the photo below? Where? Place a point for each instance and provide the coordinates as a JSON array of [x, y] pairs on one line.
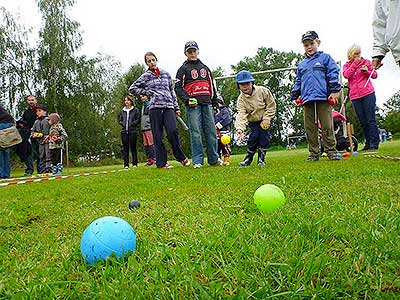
[[317, 77]]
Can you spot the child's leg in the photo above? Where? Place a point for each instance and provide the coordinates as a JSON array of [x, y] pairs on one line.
[[210, 134], [132, 145], [252, 144], [264, 141], [125, 148], [195, 127], [42, 159], [148, 145], [47, 158], [311, 126], [324, 111]]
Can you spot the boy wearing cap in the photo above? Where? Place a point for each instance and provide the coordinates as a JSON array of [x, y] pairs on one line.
[[317, 81], [256, 107], [40, 131], [195, 87]]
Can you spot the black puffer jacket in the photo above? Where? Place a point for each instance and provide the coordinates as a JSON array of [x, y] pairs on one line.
[[128, 119]]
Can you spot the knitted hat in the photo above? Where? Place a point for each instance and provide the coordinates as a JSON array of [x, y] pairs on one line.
[[54, 118]]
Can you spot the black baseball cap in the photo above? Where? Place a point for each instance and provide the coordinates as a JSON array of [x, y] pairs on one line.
[[191, 45], [309, 35], [41, 106]]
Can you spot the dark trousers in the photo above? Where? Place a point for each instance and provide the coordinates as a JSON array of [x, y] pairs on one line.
[[258, 138], [44, 158], [55, 155], [159, 119], [129, 140], [365, 111], [31, 157], [224, 149]]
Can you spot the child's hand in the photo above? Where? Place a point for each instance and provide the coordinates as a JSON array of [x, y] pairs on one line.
[[240, 135], [46, 138], [265, 124], [54, 137], [364, 68], [335, 97]]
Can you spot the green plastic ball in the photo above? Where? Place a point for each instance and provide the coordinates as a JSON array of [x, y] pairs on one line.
[[269, 197]]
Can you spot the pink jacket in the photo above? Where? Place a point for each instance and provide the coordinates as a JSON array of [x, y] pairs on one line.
[[358, 78]]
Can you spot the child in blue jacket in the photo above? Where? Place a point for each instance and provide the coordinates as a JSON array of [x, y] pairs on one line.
[[317, 81]]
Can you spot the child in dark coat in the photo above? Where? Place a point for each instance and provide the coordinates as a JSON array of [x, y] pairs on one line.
[[223, 120], [40, 131]]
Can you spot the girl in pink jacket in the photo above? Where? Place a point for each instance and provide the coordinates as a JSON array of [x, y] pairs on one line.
[[359, 73]]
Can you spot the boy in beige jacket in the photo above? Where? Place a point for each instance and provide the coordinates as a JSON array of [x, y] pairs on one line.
[[256, 107]]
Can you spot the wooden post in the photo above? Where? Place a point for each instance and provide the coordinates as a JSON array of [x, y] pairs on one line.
[[66, 153], [350, 134]]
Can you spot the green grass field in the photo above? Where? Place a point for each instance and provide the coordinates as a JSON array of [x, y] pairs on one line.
[[200, 236]]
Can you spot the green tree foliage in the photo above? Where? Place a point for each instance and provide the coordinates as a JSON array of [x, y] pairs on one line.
[[78, 88], [392, 109], [17, 61]]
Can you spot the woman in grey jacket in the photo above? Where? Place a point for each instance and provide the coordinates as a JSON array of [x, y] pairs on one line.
[[386, 28], [156, 86]]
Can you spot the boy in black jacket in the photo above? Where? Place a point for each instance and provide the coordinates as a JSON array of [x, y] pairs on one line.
[[195, 87]]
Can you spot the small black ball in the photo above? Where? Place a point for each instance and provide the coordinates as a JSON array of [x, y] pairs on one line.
[[134, 204]]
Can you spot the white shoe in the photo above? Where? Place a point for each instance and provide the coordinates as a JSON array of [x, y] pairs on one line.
[[197, 166], [126, 167]]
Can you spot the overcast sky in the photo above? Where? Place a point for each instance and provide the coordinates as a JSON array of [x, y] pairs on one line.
[[226, 30]]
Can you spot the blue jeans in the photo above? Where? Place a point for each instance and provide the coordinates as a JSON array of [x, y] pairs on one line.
[[365, 111], [201, 119], [5, 164]]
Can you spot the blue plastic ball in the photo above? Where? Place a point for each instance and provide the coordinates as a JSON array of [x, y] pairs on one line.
[[339, 155], [106, 236], [355, 153]]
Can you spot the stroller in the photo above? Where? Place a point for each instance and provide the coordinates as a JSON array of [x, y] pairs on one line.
[[342, 142]]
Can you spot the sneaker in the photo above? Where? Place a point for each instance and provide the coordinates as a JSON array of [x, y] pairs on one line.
[[334, 157], [218, 163], [167, 166], [197, 166], [185, 162], [313, 158], [150, 162], [134, 166], [261, 163], [126, 167]]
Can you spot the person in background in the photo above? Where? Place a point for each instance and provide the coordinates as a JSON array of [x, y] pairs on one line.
[[359, 73], [256, 108], [156, 84], [195, 87], [223, 120], [317, 82], [40, 131], [32, 151], [128, 119], [147, 134], [386, 30], [6, 121], [57, 136]]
